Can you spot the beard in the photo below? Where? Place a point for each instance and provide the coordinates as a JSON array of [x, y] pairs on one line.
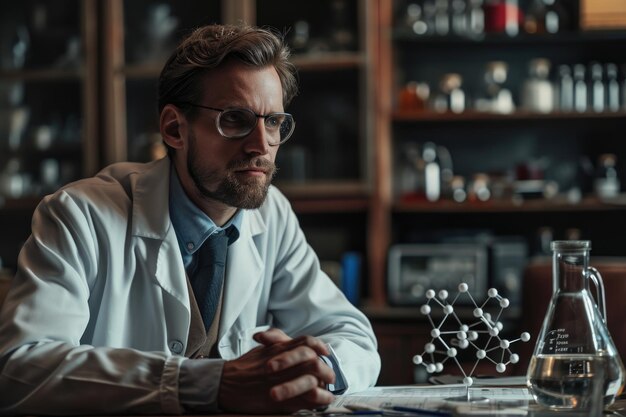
[[232, 189]]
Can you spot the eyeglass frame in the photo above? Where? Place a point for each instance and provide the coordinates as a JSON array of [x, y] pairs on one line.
[[245, 109]]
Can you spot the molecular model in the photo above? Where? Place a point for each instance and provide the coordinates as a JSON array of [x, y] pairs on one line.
[[466, 335]]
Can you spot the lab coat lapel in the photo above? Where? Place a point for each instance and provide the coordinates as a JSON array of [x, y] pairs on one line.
[[151, 220], [244, 269]]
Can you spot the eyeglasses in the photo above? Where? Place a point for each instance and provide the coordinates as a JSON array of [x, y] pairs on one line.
[[235, 123]]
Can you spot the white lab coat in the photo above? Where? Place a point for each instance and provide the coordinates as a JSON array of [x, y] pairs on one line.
[[98, 317]]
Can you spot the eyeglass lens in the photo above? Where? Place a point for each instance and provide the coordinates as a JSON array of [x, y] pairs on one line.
[[236, 123]]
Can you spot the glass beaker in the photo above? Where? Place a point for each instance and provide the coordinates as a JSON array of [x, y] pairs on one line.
[[574, 348]]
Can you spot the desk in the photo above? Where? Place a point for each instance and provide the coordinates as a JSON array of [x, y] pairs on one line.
[[402, 395]]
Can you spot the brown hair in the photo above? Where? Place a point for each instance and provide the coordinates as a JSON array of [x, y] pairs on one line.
[[209, 46]]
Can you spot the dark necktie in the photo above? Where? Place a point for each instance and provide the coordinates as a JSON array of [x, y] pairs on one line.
[[208, 275]]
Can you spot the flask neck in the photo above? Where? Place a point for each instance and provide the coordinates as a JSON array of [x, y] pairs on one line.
[[570, 271]]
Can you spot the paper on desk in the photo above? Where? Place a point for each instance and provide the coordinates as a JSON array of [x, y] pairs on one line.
[[501, 381], [436, 397]]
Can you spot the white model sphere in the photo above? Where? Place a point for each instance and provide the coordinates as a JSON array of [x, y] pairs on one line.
[[487, 316], [430, 294], [430, 368], [463, 287], [464, 327], [493, 332], [468, 381], [429, 347], [463, 344], [499, 325], [481, 354], [473, 335], [514, 358], [525, 337], [478, 312], [461, 335], [492, 292], [435, 333], [425, 309], [504, 303], [443, 294], [500, 367], [448, 309], [417, 359], [504, 344], [451, 352], [438, 367]]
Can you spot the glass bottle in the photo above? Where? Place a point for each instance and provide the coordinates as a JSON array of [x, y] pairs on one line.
[[500, 99], [566, 89], [545, 16], [612, 87], [597, 87], [442, 18], [606, 183], [452, 97], [575, 357], [580, 89], [458, 19], [475, 18], [537, 91]]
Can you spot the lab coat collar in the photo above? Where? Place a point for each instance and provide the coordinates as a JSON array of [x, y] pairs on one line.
[[151, 216]]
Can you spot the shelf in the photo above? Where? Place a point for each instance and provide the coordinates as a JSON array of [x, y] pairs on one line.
[[328, 60], [305, 62], [141, 71], [55, 149], [327, 197], [507, 206], [330, 205], [42, 74], [413, 314], [323, 189], [24, 204], [494, 39], [430, 116]]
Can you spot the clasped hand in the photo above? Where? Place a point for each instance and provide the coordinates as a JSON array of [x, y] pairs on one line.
[[281, 375]]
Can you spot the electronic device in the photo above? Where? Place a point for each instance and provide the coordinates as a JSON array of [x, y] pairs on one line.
[[494, 262], [415, 268]]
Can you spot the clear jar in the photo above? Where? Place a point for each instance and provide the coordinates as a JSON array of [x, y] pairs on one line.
[[537, 91]]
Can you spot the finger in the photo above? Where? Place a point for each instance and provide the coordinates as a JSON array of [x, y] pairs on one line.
[[291, 358], [314, 343], [271, 336], [316, 367], [294, 388]]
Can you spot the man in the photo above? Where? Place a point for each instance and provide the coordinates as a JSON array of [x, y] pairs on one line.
[[111, 310]]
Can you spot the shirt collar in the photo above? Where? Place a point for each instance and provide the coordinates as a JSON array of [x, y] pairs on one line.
[[192, 225]]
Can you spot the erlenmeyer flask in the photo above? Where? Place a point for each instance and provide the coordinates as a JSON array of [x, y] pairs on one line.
[[574, 346]]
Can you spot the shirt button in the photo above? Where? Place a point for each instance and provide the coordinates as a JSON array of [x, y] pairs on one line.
[[176, 346], [190, 245]]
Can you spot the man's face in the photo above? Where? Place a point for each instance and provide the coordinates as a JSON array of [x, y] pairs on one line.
[[235, 172]]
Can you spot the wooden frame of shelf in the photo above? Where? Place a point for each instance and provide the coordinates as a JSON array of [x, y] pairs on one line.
[[431, 116], [509, 206], [570, 37], [379, 228]]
